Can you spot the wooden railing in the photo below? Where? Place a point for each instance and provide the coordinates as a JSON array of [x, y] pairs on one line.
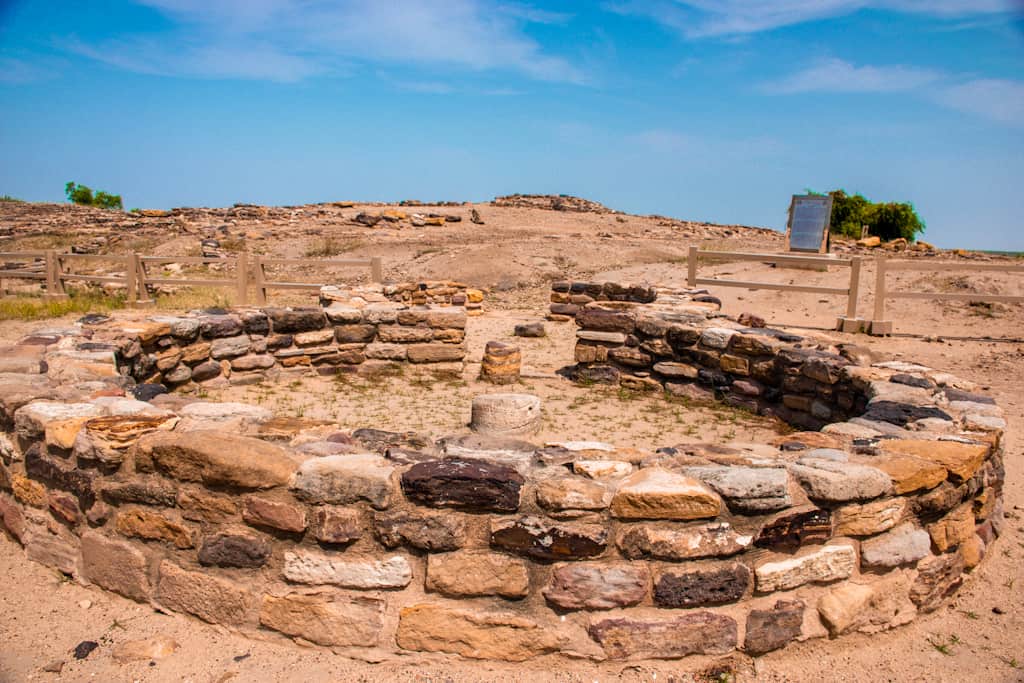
[[249, 272], [883, 266], [848, 323]]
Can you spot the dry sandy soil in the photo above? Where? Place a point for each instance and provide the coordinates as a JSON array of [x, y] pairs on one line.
[[979, 637]]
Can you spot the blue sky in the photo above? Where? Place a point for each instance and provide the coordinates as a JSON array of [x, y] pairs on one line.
[[699, 109]]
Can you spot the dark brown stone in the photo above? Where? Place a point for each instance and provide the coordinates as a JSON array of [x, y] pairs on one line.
[[57, 475], [770, 629], [690, 634], [605, 320], [533, 537], [469, 484], [709, 584], [238, 549], [682, 337], [902, 413], [205, 371], [355, 334], [212, 326], [292, 320], [143, 490], [431, 531], [939, 500], [334, 524], [792, 531]]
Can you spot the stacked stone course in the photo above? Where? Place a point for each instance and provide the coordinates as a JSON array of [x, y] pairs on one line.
[[375, 543], [250, 345]]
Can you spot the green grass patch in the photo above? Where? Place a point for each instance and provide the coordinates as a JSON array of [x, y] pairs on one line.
[[37, 308]]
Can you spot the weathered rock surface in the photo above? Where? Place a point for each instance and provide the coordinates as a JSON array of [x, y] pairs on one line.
[[826, 564], [218, 459], [533, 537], [211, 599], [325, 619], [431, 531], [320, 568], [771, 629], [474, 573], [832, 481], [477, 635], [657, 493], [712, 540], [461, 483], [902, 545], [589, 585], [693, 633], [702, 585], [346, 479]]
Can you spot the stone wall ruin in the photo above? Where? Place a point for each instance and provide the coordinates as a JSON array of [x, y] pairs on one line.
[[377, 543]]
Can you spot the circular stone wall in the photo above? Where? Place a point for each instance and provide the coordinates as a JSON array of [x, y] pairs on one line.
[[383, 543]]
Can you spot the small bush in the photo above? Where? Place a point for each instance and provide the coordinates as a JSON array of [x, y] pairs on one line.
[[888, 220], [9, 198], [81, 194]]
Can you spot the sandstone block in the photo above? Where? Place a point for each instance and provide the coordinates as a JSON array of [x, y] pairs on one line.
[[826, 564], [592, 586], [201, 505], [153, 526], [572, 493], [229, 347], [960, 459], [909, 473], [868, 608], [870, 518], [396, 352], [937, 578], [309, 567], [832, 481], [697, 632], [213, 600], [346, 479], [325, 620], [712, 540], [337, 524], [142, 490], [477, 635], [429, 531], [747, 489], [902, 545], [273, 514], [436, 353], [218, 459], [474, 573], [293, 320], [953, 529], [115, 565], [657, 493]]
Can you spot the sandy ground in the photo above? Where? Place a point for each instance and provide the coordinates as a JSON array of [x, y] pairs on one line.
[[978, 637]]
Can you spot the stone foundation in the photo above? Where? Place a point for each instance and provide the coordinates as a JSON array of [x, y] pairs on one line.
[[249, 345], [375, 543]]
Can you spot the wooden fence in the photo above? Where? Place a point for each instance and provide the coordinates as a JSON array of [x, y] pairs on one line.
[[847, 323], [250, 271], [883, 266]]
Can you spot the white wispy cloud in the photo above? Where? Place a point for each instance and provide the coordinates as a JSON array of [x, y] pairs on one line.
[[837, 75], [996, 99], [724, 18], [287, 40], [15, 71]]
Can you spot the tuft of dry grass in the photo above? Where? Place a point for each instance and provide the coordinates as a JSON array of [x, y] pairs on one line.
[[331, 246], [23, 307]]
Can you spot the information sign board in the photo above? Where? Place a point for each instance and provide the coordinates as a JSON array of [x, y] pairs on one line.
[[809, 218]]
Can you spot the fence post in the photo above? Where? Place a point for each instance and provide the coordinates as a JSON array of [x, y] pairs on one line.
[[131, 279], [141, 288], [691, 268], [376, 269], [242, 266], [54, 276], [260, 280], [879, 325], [850, 322]]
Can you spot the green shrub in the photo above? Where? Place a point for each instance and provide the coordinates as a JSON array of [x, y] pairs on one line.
[[81, 194], [888, 220]]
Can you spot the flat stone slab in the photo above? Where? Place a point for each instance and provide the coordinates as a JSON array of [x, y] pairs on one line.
[[657, 493]]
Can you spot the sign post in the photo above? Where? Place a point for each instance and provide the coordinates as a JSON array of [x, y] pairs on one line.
[[808, 224]]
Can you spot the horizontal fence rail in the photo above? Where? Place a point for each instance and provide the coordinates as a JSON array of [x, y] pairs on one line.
[[847, 323], [249, 271], [883, 266]]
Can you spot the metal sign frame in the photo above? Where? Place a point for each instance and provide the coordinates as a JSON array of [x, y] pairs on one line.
[[799, 198]]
